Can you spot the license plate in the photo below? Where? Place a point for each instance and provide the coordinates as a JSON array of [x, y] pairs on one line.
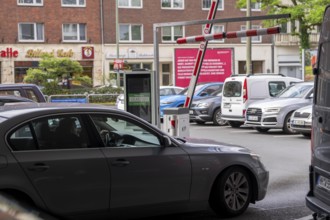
[[226, 105], [298, 122], [191, 112], [252, 118], [324, 182]]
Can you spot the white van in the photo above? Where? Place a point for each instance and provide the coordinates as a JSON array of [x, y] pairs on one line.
[[241, 90]]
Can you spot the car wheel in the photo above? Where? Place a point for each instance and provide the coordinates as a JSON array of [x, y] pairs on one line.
[[200, 122], [217, 118], [287, 127], [262, 130], [232, 193], [235, 124]]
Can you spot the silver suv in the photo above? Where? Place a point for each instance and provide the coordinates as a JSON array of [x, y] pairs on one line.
[[276, 112]]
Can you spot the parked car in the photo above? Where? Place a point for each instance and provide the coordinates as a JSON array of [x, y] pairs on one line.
[[301, 120], [119, 165], [276, 112], [164, 92], [318, 196], [241, 90], [207, 109], [29, 91], [4, 99], [201, 90]]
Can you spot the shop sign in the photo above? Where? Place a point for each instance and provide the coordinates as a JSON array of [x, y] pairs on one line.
[[87, 52], [38, 53], [8, 53]]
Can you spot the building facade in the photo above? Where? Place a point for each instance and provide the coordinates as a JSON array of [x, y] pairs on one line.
[[85, 30]]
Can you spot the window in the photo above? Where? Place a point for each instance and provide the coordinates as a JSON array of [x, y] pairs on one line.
[[56, 132], [172, 4], [30, 2], [74, 32], [121, 132], [130, 33], [206, 4], [275, 88], [166, 72], [75, 3], [256, 39], [216, 29], [171, 34], [255, 6], [31, 32], [130, 3]]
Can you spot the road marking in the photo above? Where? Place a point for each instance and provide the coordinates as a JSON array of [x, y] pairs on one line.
[[289, 136]]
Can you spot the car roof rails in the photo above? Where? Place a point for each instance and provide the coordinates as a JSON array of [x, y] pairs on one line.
[[266, 74]]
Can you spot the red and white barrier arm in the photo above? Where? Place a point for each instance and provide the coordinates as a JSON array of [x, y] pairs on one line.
[[234, 34], [200, 54]]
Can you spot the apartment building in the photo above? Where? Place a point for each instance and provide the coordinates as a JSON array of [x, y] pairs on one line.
[[85, 30], [63, 28]]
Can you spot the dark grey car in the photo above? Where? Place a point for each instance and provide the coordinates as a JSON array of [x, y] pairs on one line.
[[207, 109], [80, 159]]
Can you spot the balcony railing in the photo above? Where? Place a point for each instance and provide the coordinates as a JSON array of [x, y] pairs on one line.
[[290, 40]]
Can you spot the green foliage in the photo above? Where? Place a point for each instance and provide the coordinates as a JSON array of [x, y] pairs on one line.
[[35, 76], [309, 13]]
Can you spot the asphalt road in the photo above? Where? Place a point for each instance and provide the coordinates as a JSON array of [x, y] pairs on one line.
[[287, 158]]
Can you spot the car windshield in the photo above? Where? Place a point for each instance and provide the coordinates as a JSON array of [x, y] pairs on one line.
[[185, 91], [295, 91], [216, 93]]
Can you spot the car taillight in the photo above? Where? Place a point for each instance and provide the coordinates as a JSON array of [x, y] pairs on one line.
[[245, 92]]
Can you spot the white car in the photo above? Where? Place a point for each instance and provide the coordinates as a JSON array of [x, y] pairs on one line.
[[301, 120], [164, 91]]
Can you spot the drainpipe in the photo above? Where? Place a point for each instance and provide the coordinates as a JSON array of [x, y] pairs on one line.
[[102, 40]]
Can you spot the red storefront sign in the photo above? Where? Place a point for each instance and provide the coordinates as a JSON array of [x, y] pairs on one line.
[[217, 65], [87, 52], [8, 53]]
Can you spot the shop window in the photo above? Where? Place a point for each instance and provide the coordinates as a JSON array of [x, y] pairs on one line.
[[74, 33], [75, 3], [30, 2], [257, 67], [206, 4], [130, 33], [172, 4], [166, 72], [171, 34], [130, 3], [31, 32]]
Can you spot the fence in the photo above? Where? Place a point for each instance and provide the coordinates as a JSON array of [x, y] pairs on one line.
[[105, 99]]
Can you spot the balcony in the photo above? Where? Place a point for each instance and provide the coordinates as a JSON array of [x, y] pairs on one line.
[[290, 40]]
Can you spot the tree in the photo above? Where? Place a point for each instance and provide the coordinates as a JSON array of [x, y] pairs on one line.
[[52, 69], [309, 13]]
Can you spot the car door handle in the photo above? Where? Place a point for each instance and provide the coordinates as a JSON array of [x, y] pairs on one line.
[[120, 163], [38, 167]]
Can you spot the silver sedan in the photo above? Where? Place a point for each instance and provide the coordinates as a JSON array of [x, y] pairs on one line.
[[78, 159]]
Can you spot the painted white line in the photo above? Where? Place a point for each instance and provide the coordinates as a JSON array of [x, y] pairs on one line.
[[288, 136]]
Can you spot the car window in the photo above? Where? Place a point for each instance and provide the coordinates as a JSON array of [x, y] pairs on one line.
[[275, 88], [165, 91], [56, 132], [31, 95], [295, 91], [185, 91], [210, 89], [119, 132], [10, 92], [232, 89]]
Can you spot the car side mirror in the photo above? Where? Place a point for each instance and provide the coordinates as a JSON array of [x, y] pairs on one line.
[[167, 141]]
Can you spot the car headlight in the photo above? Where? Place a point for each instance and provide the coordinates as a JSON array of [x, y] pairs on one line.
[[203, 105], [272, 110]]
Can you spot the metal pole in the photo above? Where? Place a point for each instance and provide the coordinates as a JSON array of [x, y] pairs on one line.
[[155, 86], [248, 39], [117, 29]]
